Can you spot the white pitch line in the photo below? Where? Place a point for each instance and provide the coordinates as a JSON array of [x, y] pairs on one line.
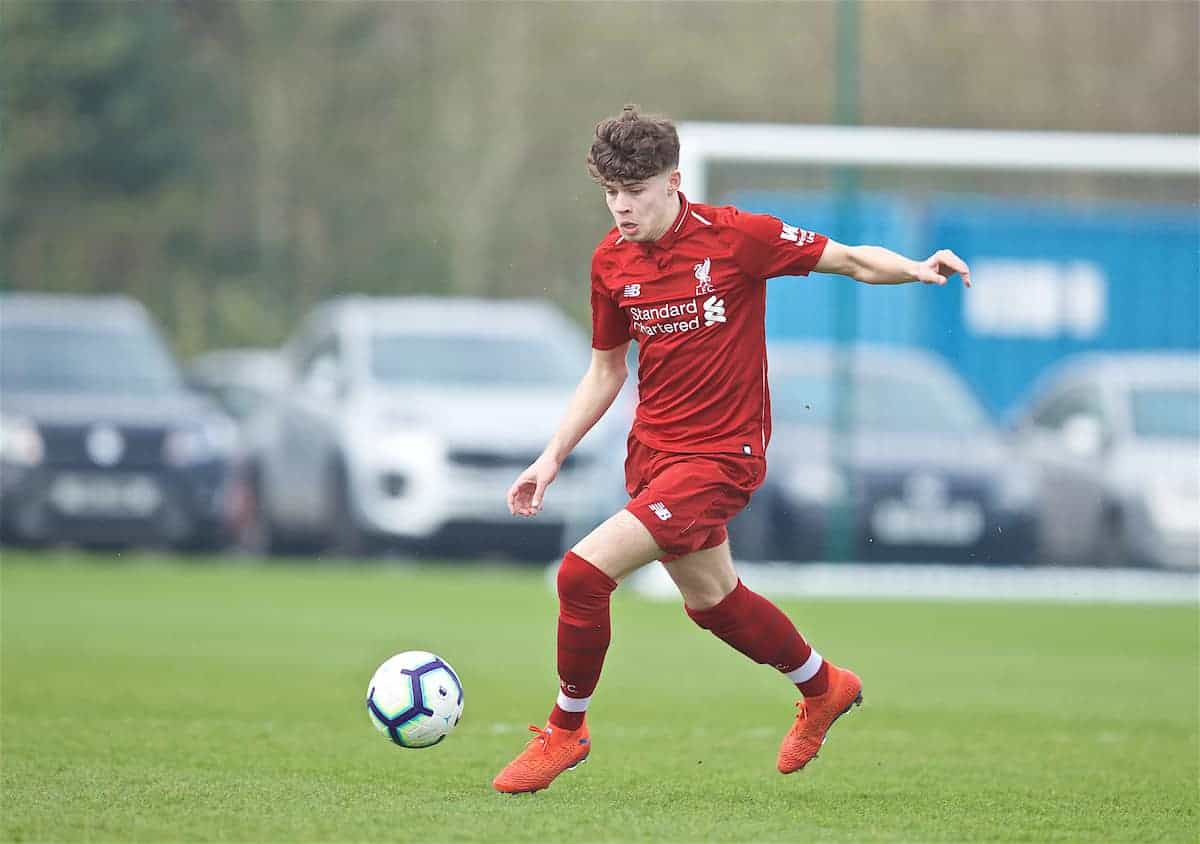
[[949, 582]]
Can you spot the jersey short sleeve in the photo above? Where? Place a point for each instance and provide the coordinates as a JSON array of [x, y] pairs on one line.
[[769, 247], [610, 328]]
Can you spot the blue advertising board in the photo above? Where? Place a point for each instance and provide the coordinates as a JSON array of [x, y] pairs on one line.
[[1050, 279]]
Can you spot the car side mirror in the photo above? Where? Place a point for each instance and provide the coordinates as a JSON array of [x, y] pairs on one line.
[[1083, 436]]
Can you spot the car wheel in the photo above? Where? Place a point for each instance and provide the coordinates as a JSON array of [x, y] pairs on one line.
[[1112, 548], [255, 533], [348, 539]]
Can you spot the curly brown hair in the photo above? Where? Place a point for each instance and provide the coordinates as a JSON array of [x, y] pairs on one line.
[[632, 147]]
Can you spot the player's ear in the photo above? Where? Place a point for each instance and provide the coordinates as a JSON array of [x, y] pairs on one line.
[[673, 181]]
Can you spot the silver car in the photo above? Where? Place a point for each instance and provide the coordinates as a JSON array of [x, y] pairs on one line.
[[1116, 438], [242, 381], [406, 421]]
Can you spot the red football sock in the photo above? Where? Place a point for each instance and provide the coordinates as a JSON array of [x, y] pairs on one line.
[[749, 623], [583, 635]]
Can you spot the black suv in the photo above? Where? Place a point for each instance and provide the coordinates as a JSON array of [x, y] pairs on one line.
[[100, 441]]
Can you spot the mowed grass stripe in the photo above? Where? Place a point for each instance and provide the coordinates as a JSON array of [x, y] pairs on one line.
[[146, 699]]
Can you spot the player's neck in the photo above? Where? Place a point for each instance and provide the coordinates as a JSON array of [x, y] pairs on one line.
[[668, 218]]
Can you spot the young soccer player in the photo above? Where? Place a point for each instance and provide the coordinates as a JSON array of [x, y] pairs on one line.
[[687, 281]]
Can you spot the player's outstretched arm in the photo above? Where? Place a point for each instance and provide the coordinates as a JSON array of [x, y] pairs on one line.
[[593, 397], [876, 265]]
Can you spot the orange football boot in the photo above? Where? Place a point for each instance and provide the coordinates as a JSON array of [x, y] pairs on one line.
[[815, 717], [550, 752]]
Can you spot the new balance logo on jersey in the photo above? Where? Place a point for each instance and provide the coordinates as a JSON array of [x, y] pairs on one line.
[[632, 290], [798, 236], [659, 509], [703, 282], [714, 310]]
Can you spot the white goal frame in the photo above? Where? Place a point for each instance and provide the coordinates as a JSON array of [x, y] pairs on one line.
[[703, 144]]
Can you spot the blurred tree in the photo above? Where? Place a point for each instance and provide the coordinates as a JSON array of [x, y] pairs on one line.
[[230, 164], [100, 167]]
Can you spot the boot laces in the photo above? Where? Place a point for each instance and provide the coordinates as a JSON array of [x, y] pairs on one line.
[[540, 737]]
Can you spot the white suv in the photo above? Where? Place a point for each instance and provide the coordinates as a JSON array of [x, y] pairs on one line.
[[406, 421]]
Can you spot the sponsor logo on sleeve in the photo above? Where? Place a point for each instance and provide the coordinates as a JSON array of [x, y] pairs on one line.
[[798, 236]]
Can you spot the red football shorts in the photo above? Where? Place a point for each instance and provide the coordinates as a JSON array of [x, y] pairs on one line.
[[685, 500]]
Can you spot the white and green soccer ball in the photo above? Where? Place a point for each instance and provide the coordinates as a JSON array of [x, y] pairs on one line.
[[415, 699]]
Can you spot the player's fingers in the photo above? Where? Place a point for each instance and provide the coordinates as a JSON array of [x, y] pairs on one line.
[[965, 272], [949, 263], [538, 492], [930, 275], [519, 497], [949, 259]]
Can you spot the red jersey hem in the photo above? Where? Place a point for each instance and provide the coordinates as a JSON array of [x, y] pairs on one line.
[[722, 446]]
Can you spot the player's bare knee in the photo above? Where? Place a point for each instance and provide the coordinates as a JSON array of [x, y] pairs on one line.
[[698, 600]]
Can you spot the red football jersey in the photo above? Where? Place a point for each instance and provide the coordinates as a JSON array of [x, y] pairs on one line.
[[695, 301]]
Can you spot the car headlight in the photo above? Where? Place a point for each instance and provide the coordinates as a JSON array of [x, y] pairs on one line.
[[20, 442], [399, 447], [1173, 507], [213, 439], [397, 421], [819, 482]]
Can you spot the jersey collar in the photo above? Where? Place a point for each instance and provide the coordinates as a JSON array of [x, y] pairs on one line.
[[672, 234]]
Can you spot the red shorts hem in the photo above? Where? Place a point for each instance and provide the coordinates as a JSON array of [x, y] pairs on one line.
[[654, 525]]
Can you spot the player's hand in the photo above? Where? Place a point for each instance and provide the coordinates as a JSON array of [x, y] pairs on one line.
[[940, 266], [525, 495]]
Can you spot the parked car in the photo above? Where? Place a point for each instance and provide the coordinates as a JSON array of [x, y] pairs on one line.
[[242, 381], [406, 421], [100, 441], [1116, 439], [927, 475]]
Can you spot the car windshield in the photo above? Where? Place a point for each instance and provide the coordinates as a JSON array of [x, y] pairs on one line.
[[893, 403], [1166, 412], [75, 358], [471, 359]]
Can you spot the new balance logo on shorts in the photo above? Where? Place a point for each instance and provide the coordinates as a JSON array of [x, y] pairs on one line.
[[659, 509], [714, 310], [798, 236]]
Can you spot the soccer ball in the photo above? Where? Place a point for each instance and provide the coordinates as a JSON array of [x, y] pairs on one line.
[[415, 699]]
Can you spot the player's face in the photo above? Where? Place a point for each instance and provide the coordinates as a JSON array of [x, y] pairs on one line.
[[643, 211]]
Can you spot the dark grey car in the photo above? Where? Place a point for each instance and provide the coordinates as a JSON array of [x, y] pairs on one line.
[[100, 442], [927, 475]]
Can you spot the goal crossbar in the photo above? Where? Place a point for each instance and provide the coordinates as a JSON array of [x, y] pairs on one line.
[[704, 143]]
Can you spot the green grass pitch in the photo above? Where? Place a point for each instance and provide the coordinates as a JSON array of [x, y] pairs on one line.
[[149, 700]]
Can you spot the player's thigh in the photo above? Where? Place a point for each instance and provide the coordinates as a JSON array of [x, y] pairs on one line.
[[704, 577], [620, 545]]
